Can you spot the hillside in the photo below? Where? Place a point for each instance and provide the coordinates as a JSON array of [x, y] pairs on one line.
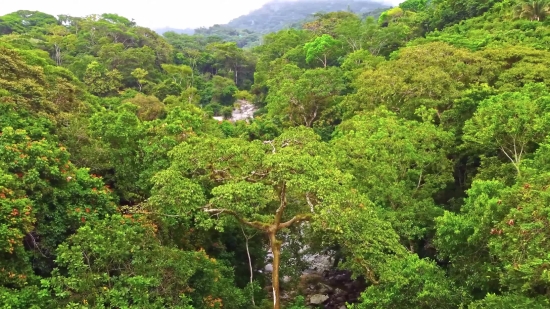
[[162, 31], [279, 14], [247, 30]]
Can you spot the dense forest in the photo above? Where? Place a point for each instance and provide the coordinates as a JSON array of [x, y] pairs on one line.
[[411, 150]]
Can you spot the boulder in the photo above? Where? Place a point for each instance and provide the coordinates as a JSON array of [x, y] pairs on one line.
[[318, 299]]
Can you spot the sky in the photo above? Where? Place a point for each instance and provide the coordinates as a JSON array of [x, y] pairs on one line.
[[147, 13]]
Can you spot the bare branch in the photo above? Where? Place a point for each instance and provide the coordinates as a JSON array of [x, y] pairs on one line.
[[295, 220], [246, 238], [281, 209], [311, 206], [219, 211], [270, 143]]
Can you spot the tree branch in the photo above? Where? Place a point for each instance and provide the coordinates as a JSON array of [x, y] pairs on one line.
[[296, 219], [246, 238], [281, 209], [311, 206], [254, 224]]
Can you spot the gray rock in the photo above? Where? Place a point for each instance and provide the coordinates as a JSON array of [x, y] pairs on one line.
[[325, 289], [318, 299], [245, 111]]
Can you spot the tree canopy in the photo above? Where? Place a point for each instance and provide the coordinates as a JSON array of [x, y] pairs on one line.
[[395, 159]]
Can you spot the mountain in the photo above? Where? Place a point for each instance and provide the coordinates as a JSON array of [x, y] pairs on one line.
[[161, 31], [247, 30], [279, 14]]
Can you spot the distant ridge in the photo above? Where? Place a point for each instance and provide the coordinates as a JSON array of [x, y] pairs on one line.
[[161, 31], [247, 30], [280, 14]]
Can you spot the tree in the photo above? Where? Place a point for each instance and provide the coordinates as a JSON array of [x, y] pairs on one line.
[[300, 97], [24, 83], [432, 75], [59, 38], [243, 95], [328, 23], [413, 283], [140, 74], [445, 13], [494, 237], [268, 186], [535, 10], [401, 165], [120, 261], [100, 81], [223, 90], [178, 73], [391, 15], [358, 61], [24, 21], [229, 57], [517, 66], [275, 46], [320, 48], [149, 107], [43, 198], [494, 301], [510, 122], [414, 5]]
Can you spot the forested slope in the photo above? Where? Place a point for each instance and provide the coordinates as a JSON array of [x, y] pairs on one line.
[[414, 148], [278, 15], [247, 30]]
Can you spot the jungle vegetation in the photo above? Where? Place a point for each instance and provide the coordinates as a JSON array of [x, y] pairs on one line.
[[416, 144]]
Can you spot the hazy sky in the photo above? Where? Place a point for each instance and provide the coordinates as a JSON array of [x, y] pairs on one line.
[[147, 13]]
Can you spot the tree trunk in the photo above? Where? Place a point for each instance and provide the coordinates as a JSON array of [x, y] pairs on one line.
[[57, 55], [246, 238], [276, 249]]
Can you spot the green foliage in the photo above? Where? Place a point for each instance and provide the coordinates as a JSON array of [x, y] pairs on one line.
[[414, 145], [510, 123], [241, 37], [223, 90], [319, 49], [118, 261], [382, 152], [25, 21], [44, 197], [415, 80], [413, 283], [102, 82], [391, 15], [302, 97], [414, 5], [503, 301]]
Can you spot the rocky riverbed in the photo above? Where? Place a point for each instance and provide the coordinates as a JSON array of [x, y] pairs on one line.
[[244, 110], [322, 285]]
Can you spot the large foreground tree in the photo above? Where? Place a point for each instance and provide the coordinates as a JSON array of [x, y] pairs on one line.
[[268, 186]]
